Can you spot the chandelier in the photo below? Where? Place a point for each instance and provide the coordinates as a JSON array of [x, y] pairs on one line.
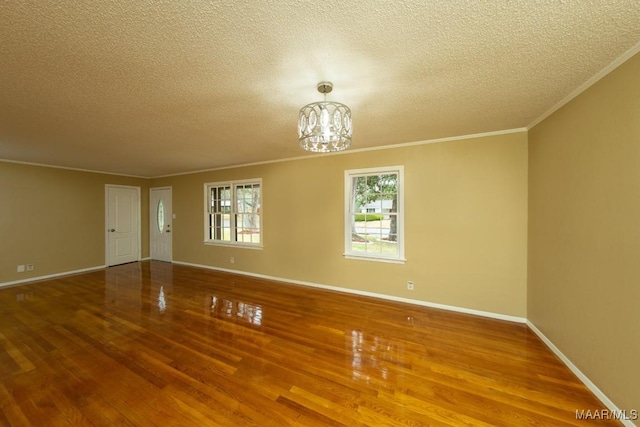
[[324, 126]]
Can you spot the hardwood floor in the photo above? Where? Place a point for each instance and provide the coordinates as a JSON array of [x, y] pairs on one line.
[[155, 344]]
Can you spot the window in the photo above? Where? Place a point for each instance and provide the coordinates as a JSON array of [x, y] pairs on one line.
[[233, 213], [160, 216], [374, 214]]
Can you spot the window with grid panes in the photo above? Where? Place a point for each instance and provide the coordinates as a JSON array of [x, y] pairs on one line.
[[374, 222], [234, 213]]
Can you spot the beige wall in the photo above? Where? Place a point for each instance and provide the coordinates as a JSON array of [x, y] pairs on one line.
[[466, 219], [54, 219], [584, 232]]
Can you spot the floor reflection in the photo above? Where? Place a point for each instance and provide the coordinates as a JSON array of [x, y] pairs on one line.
[[123, 288], [161, 286], [162, 302], [24, 296], [225, 307], [138, 288], [372, 355]]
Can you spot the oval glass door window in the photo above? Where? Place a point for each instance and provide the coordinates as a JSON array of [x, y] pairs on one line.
[[160, 216]]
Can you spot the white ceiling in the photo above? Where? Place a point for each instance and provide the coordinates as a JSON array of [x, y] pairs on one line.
[[158, 87]]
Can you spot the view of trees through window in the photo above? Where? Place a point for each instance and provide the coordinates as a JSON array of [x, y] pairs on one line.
[[248, 213], [234, 213], [374, 214]]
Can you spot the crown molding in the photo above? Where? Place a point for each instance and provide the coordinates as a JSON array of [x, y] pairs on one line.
[[586, 85], [42, 165]]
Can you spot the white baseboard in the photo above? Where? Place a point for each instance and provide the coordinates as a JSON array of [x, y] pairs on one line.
[[51, 276], [364, 293], [582, 377]]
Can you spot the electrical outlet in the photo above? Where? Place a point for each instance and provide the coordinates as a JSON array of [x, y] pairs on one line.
[[409, 285], [232, 260], [30, 267], [21, 268]]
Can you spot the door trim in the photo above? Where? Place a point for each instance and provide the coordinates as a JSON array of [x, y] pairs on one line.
[[106, 220]]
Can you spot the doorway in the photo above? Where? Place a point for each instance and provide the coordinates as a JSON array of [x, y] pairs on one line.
[[160, 218], [122, 224]]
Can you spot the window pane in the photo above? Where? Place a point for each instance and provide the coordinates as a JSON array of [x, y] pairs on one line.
[[358, 186], [373, 215], [160, 216], [234, 213], [226, 227]]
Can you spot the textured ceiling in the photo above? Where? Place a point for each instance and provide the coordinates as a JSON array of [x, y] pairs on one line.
[[158, 87]]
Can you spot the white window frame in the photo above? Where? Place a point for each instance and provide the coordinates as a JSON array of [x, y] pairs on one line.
[[207, 206], [348, 210]]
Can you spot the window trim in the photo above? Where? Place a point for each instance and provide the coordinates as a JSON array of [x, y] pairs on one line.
[[348, 180], [207, 204]]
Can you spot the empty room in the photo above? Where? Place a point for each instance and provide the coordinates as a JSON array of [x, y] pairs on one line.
[[231, 213]]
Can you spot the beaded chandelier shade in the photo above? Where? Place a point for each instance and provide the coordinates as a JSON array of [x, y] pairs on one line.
[[324, 127]]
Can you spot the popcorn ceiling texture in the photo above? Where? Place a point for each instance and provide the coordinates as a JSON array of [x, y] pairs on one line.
[[151, 88]]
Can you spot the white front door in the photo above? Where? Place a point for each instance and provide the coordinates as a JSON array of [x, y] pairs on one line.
[[123, 224], [160, 224]]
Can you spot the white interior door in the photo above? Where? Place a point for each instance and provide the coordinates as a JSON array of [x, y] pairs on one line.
[[160, 224], [123, 224]]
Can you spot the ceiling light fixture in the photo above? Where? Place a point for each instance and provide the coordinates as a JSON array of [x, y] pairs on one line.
[[324, 126]]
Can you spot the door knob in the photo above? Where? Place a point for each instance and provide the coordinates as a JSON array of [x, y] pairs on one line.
[[111, 230]]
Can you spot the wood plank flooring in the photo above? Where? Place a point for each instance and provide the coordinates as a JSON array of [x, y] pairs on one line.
[[156, 344]]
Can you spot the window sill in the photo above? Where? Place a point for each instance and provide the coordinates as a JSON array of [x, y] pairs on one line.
[[233, 245], [375, 259]]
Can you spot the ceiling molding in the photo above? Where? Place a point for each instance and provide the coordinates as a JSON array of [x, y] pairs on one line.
[[357, 150], [314, 156], [586, 85], [42, 165]]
